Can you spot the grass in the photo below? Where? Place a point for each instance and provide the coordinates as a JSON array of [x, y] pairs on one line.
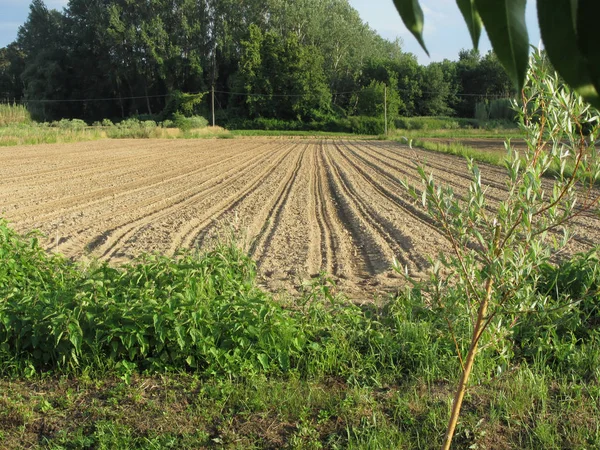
[[191, 353], [494, 157], [491, 157], [519, 410], [13, 114], [207, 133], [32, 134], [475, 133], [308, 134]]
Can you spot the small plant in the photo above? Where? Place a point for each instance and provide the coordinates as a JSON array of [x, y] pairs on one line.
[[493, 276]]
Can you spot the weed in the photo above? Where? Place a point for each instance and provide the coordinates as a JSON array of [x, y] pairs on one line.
[[13, 115]]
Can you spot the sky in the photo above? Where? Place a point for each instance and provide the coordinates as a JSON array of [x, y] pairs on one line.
[[445, 31]]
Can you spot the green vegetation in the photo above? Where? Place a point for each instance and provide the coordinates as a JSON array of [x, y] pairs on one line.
[[311, 61], [321, 134], [32, 133], [134, 129], [491, 157], [498, 252], [189, 352], [435, 123], [13, 115]]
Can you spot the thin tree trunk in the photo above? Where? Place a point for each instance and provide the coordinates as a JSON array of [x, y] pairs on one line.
[[464, 380]]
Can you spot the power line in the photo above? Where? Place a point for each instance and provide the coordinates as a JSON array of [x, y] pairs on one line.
[[72, 100], [250, 94], [244, 94]]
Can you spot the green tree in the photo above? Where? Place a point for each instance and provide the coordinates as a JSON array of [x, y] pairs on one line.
[[437, 90], [282, 78], [567, 29], [12, 64], [43, 41]]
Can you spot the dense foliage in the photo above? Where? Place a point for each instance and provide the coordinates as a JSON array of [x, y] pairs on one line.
[[310, 60]]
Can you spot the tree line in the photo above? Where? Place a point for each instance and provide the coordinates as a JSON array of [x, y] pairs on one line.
[[304, 60]]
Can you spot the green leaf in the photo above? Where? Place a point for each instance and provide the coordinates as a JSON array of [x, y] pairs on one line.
[[412, 15], [469, 12], [75, 335], [504, 22], [557, 26], [586, 13], [264, 360]]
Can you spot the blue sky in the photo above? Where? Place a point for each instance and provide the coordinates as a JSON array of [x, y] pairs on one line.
[[13, 13], [445, 32]]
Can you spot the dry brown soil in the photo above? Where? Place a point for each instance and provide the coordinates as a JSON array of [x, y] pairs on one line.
[[299, 206]]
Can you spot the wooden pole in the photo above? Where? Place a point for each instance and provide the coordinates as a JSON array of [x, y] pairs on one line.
[[213, 105], [385, 107]]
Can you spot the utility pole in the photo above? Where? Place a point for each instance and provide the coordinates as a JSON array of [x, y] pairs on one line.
[[213, 82], [213, 105], [385, 107]]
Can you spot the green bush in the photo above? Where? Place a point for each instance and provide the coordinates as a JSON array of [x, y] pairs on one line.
[[434, 123], [69, 124], [202, 313], [367, 125], [183, 104], [327, 124], [495, 110], [189, 123], [133, 128], [564, 332]]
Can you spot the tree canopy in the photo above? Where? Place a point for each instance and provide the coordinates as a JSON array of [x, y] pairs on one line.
[[568, 29], [304, 60]]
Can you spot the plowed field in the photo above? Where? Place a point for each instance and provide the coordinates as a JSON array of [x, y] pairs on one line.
[[301, 206]]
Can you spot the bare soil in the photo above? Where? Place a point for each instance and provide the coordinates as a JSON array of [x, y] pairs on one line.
[[299, 206]]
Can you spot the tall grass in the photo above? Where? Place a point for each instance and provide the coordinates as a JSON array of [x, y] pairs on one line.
[[458, 149], [13, 114], [428, 124], [31, 134]]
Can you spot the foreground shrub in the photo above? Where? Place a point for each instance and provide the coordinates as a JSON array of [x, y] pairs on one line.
[[563, 331], [202, 313]]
